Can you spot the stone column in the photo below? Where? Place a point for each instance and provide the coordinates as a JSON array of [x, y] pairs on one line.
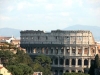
[[82, 51], [64, 62], [53, 50], [76, 62], [70, 51], [82, 62], [89, 51], [64, 50], [96, 49], [89, 63], [70, 61], [76, 51], [69, 71]]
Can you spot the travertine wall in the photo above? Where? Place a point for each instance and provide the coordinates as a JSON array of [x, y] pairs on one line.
[[70, 51], [57, 37]]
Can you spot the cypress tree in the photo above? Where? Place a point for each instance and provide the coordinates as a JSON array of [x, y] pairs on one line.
[[96, 62]]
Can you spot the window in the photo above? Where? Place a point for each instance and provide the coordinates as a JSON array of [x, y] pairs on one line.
[[38, 37], [46, 37], [56, 37]]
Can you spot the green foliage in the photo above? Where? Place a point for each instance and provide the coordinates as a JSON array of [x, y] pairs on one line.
[[20, 69], [91, 71], [94, 65], [42, 63], [97, 62], [73, 73], [18, 64]]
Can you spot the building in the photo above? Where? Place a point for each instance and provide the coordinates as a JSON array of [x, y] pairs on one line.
[[7, 39], [37, 73], [70, 51], [4, 71]]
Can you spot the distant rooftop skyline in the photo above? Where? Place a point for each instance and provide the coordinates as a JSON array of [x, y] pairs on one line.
[[48, 14]]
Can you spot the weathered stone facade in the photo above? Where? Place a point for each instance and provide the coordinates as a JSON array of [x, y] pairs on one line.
[[70, 51]]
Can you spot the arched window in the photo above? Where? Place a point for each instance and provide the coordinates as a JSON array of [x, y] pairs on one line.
[[79, 62], [61, 72], [55, 72], [73, 61], [73, 71], [56, 61], [61, 61], [67, 71], [85, 62], [79, 71], [67, 62]]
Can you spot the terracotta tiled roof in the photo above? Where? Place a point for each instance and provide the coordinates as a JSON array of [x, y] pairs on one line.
[[4, 38], [1, 68]]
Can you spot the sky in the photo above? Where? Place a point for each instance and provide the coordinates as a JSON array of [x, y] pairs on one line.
[[48, 14]]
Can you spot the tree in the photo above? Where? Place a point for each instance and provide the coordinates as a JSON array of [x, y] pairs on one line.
[[94, 65], [20, 69], [97, 61], [42, 63], [91, 71], [17, 64]]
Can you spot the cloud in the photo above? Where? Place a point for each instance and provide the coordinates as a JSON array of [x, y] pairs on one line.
[[23, 5], [64, 14], [95, 11], [67, 3], [80, 2], [93, 1], [40, 0], [49, 6], [10, 8], [70, 19], [4, 17]]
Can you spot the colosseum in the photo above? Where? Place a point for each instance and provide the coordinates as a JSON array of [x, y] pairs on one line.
[[69, 50]]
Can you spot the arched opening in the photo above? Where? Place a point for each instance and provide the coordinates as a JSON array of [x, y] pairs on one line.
[[46, 50], [55, 72], [85, 62], [42, 50], [61, 61], [67, 62], [79, 62], [61, 72], [73, 71], [73, 61], [67, 71], [56, 61], [79, 71]]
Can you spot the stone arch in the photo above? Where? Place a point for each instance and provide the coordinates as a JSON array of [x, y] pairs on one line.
[[79, 62], [73, 71], [61, 61], [46, 50], [67, 62], [73, 61], [85, 62], [67, 70], [79, 71], [55, 72], [61, 72], [56, 61]]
